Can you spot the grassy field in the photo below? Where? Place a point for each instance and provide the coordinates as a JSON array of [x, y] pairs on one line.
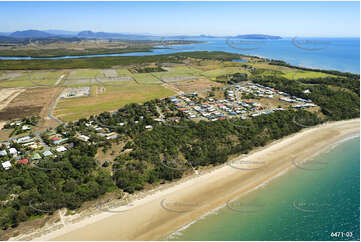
[[305, 74], [123, 72], [30, 79], [179, 71], [290, 73], [85, 74], [221, 72], [113, 98], [145, 78]]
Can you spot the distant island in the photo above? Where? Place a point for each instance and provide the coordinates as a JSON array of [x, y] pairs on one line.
[[257, 36], [245, 36]]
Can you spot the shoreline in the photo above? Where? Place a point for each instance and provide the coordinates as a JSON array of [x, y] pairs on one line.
[[326, 150], [210, 190]]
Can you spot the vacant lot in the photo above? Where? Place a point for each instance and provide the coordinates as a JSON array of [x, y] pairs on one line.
[[123, 72], [146, 78], [221, 72], [7, 95], [194, 85], [85, 73], [29, 103], [29, 79], [112, 98], [95, 77], [305, 74]]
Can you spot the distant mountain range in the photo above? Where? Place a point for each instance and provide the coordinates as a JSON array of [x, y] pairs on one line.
[[37, 34], [30, 34]]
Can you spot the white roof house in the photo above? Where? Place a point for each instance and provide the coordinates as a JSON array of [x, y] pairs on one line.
[[60, 149], [6, 165], [148, 126], [47, 153], [24, 139], [3, 153], [83, 138], [13, 151]]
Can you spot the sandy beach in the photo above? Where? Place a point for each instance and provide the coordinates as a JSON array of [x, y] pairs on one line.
[[165, 211]]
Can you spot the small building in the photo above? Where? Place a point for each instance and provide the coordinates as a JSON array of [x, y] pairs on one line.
[[83, 138], [6, 165], [13, 151], [24, 139], [114, 136], [99, 129], [3, 153], [55, 138], [59, 141], [23, 162], [148, 126], [47, 153], [25, 127], [60, 149], [36, 156], [111, 135]]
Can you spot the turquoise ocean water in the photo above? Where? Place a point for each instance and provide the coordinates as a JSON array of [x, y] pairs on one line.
[[303, 204]]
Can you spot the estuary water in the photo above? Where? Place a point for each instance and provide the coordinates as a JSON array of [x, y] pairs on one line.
[[342, 54]]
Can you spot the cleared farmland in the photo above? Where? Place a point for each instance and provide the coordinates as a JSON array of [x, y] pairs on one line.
[[146, 78], [112, 98], [305, 74], [221, 72], [29, 79]]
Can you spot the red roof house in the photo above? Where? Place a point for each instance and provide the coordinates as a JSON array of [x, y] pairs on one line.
[[23, 161]]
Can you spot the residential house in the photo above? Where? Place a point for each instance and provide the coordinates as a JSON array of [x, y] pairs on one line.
[[60, 149], [25, 127], [24, 139], [6, 165], [36, 156], [56, 142], [23, 162], [83, 138], [13, 151], [47, 153], [3, 153]]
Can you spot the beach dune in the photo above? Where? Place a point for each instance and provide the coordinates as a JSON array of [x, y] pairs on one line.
[[159, 214]]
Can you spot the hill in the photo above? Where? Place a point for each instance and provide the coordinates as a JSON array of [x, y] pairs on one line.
[[104, 35], [30, 34]]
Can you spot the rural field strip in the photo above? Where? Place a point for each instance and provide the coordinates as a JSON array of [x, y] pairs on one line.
[[37, 134], [7, 95]]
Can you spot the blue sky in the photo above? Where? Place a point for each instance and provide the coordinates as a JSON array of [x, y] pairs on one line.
[[319, 19]]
